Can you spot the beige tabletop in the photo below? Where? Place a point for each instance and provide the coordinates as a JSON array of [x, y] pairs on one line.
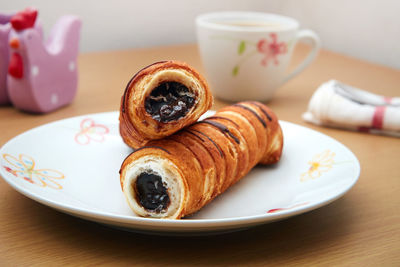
[[361, 228]]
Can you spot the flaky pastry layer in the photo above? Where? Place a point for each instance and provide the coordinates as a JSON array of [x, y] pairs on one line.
[[206, 158], [137, 126]]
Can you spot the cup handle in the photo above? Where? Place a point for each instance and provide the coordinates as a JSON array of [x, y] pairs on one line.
[[315, 43]]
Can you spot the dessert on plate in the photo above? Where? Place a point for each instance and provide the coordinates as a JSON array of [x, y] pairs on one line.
[[176, 176], [161, 99]]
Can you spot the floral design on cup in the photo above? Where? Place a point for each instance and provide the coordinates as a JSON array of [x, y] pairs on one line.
[[91, 131], [24, 167], [320, 163], [270, 48]]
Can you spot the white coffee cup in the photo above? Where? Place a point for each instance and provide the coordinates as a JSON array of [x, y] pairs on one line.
[[246, 54]]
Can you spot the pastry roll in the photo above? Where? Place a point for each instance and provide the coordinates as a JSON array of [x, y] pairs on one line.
[[161, 99], [176, 176]]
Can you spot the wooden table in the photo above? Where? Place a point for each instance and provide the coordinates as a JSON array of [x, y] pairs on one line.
[[361, 228]]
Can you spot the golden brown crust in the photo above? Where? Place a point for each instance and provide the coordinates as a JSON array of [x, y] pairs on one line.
[[205, 160], [217, 156], [215, 153], [229, 153], [274, 147], [137, 127], [236, 138]]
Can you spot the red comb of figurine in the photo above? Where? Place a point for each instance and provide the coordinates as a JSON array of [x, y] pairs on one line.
[[24, 19]]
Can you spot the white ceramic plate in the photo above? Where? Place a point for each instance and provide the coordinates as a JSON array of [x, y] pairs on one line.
[[72, 165]]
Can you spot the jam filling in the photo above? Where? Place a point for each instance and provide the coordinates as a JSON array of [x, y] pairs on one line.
[[169, 101], [151, 192]]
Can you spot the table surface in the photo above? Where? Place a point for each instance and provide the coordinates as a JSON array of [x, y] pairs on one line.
[[361, 228]]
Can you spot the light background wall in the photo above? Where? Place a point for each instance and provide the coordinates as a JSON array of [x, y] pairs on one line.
[[366, 29]]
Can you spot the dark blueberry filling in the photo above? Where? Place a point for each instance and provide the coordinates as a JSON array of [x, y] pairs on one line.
[[169, 101], [151, 192]]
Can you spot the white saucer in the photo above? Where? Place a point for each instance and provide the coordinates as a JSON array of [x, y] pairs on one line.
[[72, 165]]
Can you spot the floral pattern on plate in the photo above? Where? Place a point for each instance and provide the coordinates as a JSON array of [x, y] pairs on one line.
[[288, 208], [91, 131], [319, 164], [24, 167]]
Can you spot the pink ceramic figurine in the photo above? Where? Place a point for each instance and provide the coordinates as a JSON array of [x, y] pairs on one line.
[[42, 76], [5, 28]]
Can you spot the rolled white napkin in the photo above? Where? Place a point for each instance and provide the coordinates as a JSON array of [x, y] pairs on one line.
[[339, 105]]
